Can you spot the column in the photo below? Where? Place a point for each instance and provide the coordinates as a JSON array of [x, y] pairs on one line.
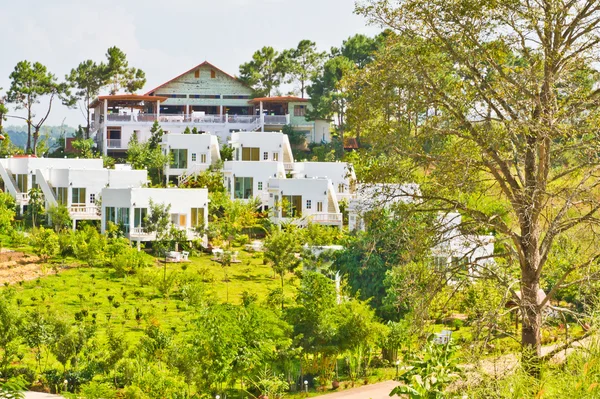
[[157, 109], [187, 110], [262, 118], [104, 129]]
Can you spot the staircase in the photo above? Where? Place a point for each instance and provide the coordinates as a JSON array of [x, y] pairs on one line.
[[11, 185], [46, 189], [191, 172]]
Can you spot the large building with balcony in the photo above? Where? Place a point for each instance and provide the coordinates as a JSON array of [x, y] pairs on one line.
[[205, 98]]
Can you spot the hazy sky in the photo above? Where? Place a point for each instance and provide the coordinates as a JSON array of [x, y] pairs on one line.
[[164, 38]]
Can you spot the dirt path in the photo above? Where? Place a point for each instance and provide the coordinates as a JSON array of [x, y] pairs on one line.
[[381, 390], [17, 266]]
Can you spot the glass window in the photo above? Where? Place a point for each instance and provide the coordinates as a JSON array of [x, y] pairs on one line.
[[193, 157], [275, 156], [61, 195], [308, 204], [78, 195], [260, 186], [139, 216], [202, 158], [34, 181], [110, 214], [340, 188], [92, 198], [292, 206], [118, 216], [21, 182], [299, 110], [197, 217], [265, 156], [250, 154], [319, 206], [243, 187], [179, 158]]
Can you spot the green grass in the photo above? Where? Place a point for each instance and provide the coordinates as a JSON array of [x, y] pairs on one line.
[[79, 288]]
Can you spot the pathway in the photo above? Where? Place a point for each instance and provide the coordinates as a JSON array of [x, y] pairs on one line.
[[41, 395], [381, 390]]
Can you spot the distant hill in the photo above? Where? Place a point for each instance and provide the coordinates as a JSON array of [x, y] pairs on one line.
[[18, 134]]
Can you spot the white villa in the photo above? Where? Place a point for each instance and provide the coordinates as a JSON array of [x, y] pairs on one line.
[[75, 183], [128, 207], [205, 98], [246, 180], [260, 147], [341, 174], [190, 154], [306, 200]]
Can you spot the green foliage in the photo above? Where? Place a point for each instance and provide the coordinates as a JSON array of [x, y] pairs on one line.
[[265, 72], [119, 75], [59, 218], [281, 247], [226, 152], [84, 147], [209, 179], [228, 218], [296, 138], [149, 155], [7, 212], [44, 243], [13, 388], [35, 209], [10, 325], [158, 221], [429, 373], [90, 246], [303, 63]]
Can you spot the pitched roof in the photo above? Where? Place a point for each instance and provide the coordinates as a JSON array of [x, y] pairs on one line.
[[277, 99], [350, 143], [205, 63]]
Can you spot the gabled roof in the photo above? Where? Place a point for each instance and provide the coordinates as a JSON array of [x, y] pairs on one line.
[[205, 63]]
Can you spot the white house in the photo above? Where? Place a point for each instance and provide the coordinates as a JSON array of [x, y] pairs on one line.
[[455, 247], [262, 146], [341, 174], [246, 180], [128, 207], [368, 197], [305, 200], [190, 154]]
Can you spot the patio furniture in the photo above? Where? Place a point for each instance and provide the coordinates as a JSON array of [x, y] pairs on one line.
[[173, 256], [185, 255]]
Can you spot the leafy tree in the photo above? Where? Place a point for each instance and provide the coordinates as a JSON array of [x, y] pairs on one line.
[[35, 208], [506, 118], [10, 329], [120, 75], [211, 179], [88, 78], [304, 62], [44, 243], [149, 155], [158, 221], [296, 138], [391, 240], [84, 147], [229, 218], [14, 388], [226, 152], [90, 246], [7, 212], [265, 72], [59, 218], [29, 83], [281, 247]]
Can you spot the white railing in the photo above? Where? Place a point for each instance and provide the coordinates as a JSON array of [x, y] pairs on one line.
[[119, 118], [84, 210], [325, 218], [114, 143], [242, 119], [22, 197], [191, 172], [276, 120], [139, 232], [288, 165], [194, 119]]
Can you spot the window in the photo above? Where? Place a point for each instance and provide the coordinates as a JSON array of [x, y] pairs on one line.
[[308, 204], [92, 198], [265, 156], [292, 206], [341, 188], [299, 110], [21, 182], [179, 159], [250, 154], [139, 217], [213, 74], [319, 206], [275, 156], [208, 96], [236, 97], [193, 157], [34, 181], [197, 217], [179, 219], [260, 186], [78, 195], [118, 216], [243, 188], [197, 73], [202, 158], [61, 195]]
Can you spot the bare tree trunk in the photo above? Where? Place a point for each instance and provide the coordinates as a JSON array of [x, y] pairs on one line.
[[28, 148]]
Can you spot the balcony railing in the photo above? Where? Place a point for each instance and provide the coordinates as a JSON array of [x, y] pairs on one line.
[[22, 197], [114, 143], [325, 218], [276, 120], [84, 210], [192, 119], [288, 165], [139, 232]]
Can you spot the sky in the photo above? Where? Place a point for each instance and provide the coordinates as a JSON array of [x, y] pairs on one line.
[[163, 38]]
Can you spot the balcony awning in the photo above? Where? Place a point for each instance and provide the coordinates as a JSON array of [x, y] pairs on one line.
[[126, 100]]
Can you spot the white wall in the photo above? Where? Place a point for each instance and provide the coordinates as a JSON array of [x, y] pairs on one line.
[[340, 173], [270, 142], [181, 201], [315, 190], [199, 144], [259, 171]]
